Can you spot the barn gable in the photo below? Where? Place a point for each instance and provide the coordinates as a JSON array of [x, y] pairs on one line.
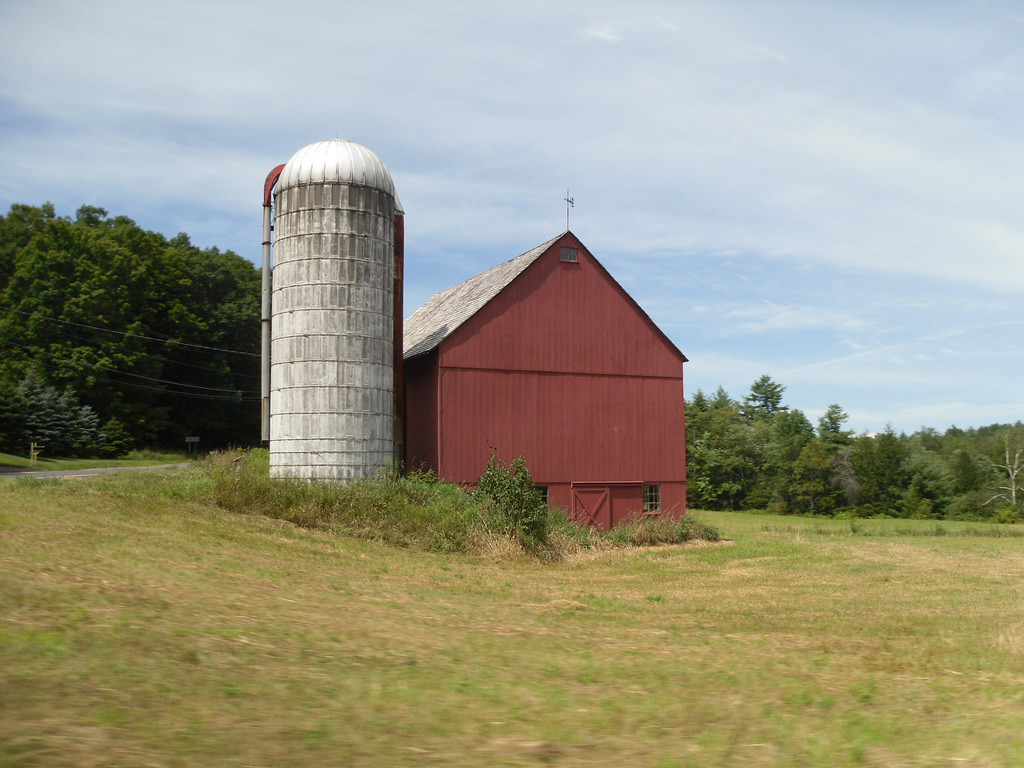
[[499, 298], [445, 313], [546, 356]]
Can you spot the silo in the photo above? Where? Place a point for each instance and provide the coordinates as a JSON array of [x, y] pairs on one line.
[[333, 315]]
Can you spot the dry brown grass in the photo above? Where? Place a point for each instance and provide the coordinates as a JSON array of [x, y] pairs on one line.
[[138, 627]]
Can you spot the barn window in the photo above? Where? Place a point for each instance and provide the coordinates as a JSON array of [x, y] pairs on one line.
[[569, 254], [652, 498], [543, 489]]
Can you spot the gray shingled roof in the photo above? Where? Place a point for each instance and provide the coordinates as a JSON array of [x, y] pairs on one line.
[[440, 317]]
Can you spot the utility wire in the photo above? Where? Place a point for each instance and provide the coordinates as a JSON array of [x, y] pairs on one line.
[[176, 363], [134, 375], [172, 393], [243, 397], [139, 335]]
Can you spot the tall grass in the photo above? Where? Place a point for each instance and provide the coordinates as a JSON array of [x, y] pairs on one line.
[[420, 511], [654, 530], [412, 511]]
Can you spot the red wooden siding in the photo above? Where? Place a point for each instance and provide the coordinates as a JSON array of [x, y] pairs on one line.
[[560, 316], [569, 427], [564, 368], [422, 408]]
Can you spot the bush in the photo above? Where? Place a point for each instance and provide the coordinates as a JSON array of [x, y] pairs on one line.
[[568, 536], [115, 441], [518, 504], [1005, 514], [969, 506], [651, 531]]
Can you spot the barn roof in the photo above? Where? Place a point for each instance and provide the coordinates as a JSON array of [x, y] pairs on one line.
[[443, 314]]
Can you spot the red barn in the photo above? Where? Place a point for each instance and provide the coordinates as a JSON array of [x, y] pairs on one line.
[[546, 356]]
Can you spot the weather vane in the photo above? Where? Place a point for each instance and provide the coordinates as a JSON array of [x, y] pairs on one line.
[[569, 203]]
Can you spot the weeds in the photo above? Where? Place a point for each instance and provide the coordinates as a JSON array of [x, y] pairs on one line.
[[413, 511], [420, 511], [516, 503], [654, 530]]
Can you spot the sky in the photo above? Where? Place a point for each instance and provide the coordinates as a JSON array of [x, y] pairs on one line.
[[827, 193]]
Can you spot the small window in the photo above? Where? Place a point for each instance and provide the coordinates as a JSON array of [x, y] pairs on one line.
[[569, 254], [543, 493], [652, 498]]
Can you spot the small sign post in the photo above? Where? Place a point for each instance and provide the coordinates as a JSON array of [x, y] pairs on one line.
[[191, 445]]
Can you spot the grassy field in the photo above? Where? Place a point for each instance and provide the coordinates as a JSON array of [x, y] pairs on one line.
[[134, 459], [140, 625]]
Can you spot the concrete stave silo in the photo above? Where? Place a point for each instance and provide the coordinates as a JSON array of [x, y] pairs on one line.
[[334, 316]]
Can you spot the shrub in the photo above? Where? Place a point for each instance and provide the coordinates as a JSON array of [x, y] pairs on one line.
[[651, 531], [969, 506], [115, 441], [518, 504], [1005, 514]]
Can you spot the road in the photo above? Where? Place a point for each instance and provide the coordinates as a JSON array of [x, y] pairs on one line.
[[71, 473]]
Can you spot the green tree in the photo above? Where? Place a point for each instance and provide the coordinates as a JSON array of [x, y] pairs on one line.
[[764, 400], [16, 231], [761, 453], [155, 333], [830, 429], [877, 461], [811, 488], [57, 421], [13, 413], [970, 471], [714, 471], [790, 435], [726, 460], [930, 485]]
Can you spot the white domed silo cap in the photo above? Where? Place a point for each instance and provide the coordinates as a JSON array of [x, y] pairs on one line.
[[341, 162]]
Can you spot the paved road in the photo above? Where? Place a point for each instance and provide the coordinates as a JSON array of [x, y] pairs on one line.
[[63, 473]]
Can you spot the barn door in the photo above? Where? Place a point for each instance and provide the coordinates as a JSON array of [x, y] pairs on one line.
[[591, 505]]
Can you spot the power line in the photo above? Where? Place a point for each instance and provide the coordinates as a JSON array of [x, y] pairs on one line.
[[139, 335], [137, 375], [251, 398], [176, 363], [243, 398]]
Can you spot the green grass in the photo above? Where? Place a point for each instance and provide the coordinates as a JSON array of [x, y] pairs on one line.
[[754, 523], [141, 624], [141, 458]]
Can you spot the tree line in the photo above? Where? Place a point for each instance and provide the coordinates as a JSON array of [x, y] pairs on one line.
[[757, 453], [112, 336]]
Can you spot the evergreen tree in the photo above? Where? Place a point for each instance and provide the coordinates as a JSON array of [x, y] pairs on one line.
[[56, 421], [764, 400], [878, 463], [830, 429], [812, 489]]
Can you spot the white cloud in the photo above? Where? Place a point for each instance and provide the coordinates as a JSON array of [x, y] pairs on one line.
[[605, 33]]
